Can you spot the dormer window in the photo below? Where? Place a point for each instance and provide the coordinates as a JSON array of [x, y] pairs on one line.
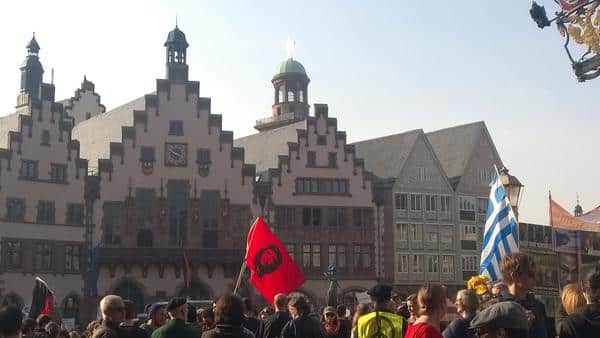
[[203, 162], [176, 128], [147, 160]]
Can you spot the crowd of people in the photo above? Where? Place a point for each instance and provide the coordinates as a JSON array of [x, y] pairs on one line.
[[511, 312]]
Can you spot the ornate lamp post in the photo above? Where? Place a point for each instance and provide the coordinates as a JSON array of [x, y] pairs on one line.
[[577, 20], [513, 188]]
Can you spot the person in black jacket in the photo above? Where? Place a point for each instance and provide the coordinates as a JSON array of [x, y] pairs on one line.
[[229, 315], [272, 326], [128, 325], [585, 323], [11, 319], [303, 325]]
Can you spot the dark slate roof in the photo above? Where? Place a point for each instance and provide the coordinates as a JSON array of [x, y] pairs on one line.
[[263, 148], [95, 134], [385, 156], [33, 46], [8, 123], [453, 147], [176, 38]]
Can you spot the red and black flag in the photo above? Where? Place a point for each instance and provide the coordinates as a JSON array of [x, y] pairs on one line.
[[272, 270], [42, 299]]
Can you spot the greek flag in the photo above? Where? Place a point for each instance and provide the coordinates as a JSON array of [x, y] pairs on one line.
[[501, 235]]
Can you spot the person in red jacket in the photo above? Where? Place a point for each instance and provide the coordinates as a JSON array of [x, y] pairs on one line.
[[431, 303]]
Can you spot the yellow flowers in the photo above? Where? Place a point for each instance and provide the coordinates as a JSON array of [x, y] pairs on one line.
[[479, 284]]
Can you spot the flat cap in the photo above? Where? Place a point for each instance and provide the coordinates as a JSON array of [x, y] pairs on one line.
[[175, 303], [329, 309], [381, 291], [503, 315], [152, 308]]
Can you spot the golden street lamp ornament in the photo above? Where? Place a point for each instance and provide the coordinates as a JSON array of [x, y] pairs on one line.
[[577, 20]]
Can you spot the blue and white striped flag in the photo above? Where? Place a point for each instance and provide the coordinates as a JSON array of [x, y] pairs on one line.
[[501, 235]]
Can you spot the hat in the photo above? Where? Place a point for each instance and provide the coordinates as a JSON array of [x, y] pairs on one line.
[[380, 291], [152, 308], [505, 315], [329, 309], [175, 303]]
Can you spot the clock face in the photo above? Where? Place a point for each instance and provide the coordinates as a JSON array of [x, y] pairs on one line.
[[176, 154]]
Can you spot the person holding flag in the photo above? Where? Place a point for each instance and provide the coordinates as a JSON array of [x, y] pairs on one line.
[[272, 270], [501, 259], [41, 300]]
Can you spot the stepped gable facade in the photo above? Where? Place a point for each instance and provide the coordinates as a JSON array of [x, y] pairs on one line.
[[85, 104], [315, 192], [42, 178], [173, 183]]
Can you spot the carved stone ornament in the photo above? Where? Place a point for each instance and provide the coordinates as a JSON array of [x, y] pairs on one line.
[[147, 167]]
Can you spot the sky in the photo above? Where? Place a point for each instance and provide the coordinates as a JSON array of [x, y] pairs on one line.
[[383, 67]]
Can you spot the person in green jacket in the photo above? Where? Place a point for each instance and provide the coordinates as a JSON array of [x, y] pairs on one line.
[[176, 327]]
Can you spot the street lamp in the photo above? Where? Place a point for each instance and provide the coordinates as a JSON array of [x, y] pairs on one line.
[[513, 188], [577, 20]]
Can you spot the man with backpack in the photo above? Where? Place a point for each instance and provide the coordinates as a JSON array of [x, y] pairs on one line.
[[382, 322]]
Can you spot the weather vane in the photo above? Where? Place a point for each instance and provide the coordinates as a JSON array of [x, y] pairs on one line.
[[290, 47], [577, 20]]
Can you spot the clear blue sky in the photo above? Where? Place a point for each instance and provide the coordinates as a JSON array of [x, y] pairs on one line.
[[382, 66]]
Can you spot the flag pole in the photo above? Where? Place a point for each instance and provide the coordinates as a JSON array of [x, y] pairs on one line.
[[240, 275]]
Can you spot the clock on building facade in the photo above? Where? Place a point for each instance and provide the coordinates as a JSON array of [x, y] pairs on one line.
[[176, 154]]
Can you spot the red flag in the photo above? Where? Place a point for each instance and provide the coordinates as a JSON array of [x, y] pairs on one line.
[[272, 270], [41, 302], [187, 271]]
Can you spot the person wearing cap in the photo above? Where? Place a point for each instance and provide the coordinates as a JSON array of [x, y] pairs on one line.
[[382, 322], [157, 317], [176, 327], [332, 324], [113, 314], [501, 320]]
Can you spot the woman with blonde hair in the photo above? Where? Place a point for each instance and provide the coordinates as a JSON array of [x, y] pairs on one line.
[[432, 307], [571, 300], [361, 309], [466, 306]]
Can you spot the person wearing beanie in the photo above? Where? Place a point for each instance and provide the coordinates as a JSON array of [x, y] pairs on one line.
[[157, 317], [503, 320]]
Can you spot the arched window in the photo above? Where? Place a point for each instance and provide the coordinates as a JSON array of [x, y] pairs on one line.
[[128, 289], [301, 96], [280, 96], [291, 97]]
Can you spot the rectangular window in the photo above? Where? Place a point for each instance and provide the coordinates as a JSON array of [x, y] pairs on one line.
[[42, 257], [291, 249], [337, 255], [113, 217], [72, 258], [322, 140], [145, 207], [362, 217], [176, 128], [432, 264], [470, 263], [447, 264], [14, 255], [285, 216], [421, 174], [417, 263], [240, 215], [203, 156], [332, 160], [311, 255], [311, 216], [45, 212], [403, 263], [446, 239], [466, 208], [484, 177], [75, 213], [58, 172], [416, 232], [362, 256], [430, 203], [432, 237], [401, 201], [311, 159], [321, 186], [29, 169], [469, 232], [336, 217], [15, 209], [415, 202], [482, 204], [445, 203], [402, 232]]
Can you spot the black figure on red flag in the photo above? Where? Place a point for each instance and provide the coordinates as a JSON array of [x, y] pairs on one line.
[[42, 299]]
